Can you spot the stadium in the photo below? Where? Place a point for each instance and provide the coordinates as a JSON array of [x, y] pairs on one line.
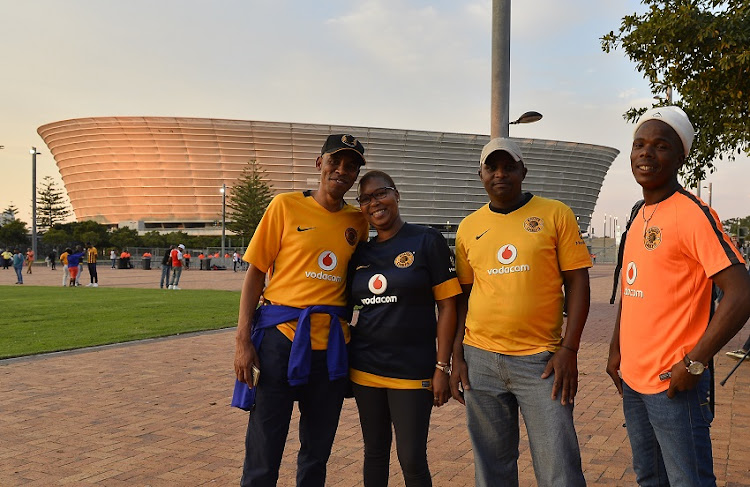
[[165, 173]]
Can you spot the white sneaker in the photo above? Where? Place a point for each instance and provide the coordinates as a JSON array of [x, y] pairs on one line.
[[96, 284], [169, 287], [175, 288], [90, 284]]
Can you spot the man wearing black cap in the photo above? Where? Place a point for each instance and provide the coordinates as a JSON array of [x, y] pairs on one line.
[[513, 257], [294, 345], [665, 334]]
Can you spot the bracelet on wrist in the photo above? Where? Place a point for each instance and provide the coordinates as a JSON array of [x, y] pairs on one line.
[[568, 348]]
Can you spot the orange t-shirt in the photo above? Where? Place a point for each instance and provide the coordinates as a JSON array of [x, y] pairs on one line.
[[666, 286]]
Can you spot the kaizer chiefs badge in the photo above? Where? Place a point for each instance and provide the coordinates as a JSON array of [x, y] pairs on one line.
[[348, 140], [652, 238], [533, 224], [404, 260], [351, 236]]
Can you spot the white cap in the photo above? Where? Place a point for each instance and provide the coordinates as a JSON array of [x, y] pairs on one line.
[[675, 118], [181, 247], [502, 144]]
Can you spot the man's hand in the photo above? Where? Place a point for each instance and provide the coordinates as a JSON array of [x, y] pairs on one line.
[[613, 368], [245, 357], [459, 379], [681, 380], [564, 364], [440, 388]]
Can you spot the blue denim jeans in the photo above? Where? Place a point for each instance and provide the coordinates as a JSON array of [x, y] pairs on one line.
[[500, 385], [319, 401], [670, 438], [165, 270], [176, 273]]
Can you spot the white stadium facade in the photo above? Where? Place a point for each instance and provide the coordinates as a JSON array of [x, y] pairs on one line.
[[165, 173]]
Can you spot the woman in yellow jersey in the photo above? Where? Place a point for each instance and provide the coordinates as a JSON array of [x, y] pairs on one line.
[[398, 376]]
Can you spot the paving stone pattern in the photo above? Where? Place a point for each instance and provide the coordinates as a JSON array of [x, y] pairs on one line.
[[156, 412]]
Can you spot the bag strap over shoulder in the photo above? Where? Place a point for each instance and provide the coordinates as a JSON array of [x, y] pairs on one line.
[[621, 250]]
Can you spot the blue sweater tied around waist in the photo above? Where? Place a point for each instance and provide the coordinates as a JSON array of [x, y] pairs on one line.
[[300, 356]]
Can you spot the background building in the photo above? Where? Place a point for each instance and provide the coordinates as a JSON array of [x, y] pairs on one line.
[[163, 173]]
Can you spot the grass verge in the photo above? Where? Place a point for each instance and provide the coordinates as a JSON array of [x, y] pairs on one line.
[[39, 319]]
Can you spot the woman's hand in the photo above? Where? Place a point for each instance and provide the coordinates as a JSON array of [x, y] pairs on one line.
[[440, 388]]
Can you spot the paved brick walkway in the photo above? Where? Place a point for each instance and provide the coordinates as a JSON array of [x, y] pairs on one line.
[[156, 413]]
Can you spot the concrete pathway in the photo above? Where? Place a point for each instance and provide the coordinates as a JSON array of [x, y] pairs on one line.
[[156, 413]]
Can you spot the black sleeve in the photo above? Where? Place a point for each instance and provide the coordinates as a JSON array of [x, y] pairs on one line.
[[440, 259]]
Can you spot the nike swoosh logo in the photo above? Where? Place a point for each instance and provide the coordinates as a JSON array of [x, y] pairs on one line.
[[362, 267], [300, 229], [480, 235]]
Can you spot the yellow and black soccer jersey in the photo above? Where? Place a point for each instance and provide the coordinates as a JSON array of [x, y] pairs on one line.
[[514, 263], [306, 249], [397, 283]]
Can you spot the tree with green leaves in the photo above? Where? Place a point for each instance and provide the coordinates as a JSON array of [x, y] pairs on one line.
[[124, 237], [51, 207], [9, 214], [14, 234], [699, 49], [90, 231], [56, 237], [248, 200], [738, 227]]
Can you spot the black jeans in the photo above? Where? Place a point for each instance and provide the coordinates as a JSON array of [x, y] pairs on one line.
[[320, 403], [409, 411], [93, 274]]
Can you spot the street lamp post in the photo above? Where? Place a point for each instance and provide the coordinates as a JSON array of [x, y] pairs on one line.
[[223, 191], [604, 232], [710, 193], [33, 153]]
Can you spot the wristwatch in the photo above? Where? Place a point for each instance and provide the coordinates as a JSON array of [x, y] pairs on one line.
[[695, 368], [443, 367]]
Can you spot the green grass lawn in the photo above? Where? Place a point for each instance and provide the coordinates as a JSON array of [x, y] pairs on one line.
[[38, 319]]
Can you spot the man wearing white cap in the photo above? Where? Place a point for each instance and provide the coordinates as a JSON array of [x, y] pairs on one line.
[[665, 335], [176, 255], [513, 257]]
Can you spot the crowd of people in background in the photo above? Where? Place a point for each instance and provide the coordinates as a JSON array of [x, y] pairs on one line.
[[175, 259]]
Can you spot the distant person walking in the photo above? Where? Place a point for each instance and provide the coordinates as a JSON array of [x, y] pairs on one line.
[[64, 262], [186, 257], [176, 266], [166, 267], [52, 256], [91, 254], [29, 260], [18, 265], [235, 260], [7, 258], [113, 258]]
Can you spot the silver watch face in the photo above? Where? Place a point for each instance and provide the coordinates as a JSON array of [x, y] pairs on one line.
[[696, 368]]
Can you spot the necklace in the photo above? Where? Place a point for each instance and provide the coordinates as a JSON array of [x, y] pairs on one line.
[[646, 220]]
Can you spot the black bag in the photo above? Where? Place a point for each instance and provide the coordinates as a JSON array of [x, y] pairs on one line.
[[620, 251]]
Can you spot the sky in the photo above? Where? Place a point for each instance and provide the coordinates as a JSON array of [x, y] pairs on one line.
[[405, 64]]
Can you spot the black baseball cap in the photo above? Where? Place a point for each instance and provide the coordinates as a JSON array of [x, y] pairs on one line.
[[339, 142]]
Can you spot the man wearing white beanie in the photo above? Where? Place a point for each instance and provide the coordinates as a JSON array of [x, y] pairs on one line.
[[665, 335]]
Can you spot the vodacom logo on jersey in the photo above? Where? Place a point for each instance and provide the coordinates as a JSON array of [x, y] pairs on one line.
[[327, 261], [506, 255], [631, 273], [377, 286]]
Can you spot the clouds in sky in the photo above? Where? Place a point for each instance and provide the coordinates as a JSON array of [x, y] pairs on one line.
[[386, 63]]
